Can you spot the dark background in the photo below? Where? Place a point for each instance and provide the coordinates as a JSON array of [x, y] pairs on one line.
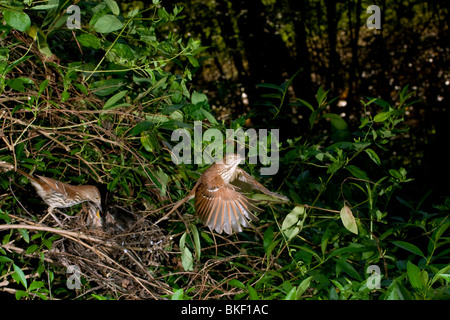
[[268, 41]]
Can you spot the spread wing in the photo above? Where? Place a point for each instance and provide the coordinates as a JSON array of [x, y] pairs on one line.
[[246, 182], [222, 208]]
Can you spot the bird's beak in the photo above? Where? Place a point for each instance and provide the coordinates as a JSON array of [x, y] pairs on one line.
[[98, 210]]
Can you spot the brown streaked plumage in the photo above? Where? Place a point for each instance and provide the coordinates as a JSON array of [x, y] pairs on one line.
[[219, 202], [57, 194]]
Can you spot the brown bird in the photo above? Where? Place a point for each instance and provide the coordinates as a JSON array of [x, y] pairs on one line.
[[57, 194], [219, 202]]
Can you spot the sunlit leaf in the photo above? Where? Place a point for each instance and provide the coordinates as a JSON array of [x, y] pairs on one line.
[[293, 223], [187, 259], [414, 275], [382, 116], [108, 23], [20, 275], [17, 19], [348, 220]]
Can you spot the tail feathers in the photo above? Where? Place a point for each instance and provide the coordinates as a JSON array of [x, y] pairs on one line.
[[6, 166]]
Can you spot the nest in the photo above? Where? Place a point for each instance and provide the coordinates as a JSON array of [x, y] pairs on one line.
[[78, 142], [60, 129], [121, 260]]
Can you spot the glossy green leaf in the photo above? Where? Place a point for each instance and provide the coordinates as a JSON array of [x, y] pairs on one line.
[[348, 269], [25, 235], [112, 5], [108, 23], [89, 40], [409, 247], [382, 116], [187, 259], [357, 172], [198, 97], [373, 155], [114, 99], [20, 275], [17, 19], [178, 295], [252, 293], [293, 223], [413, 275], [236, 283], [303, 286], [291, 295]]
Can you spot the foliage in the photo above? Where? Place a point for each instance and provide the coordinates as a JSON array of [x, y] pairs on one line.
[[101, 108]]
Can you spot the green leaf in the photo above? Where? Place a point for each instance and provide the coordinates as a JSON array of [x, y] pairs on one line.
[[291, 294], [270, 86], [141, 127], [209, 116], [48, 243], [382, 116], [348, 220], [396, 174], [45, 6], [25, 235], [112, 101], [252, 293], [441, 274], [197, 244], [268, 238], [348, 269], [112, 5], [409, 247], [18, 83], [325, 237], [20, 294], [304, 285], [36, 285], [395, 291], [193, 60], [121, 51], [187, 260], [32, 248], [17, 19], [339, 127], [357, 172], [108, 23], [349, 249], [20, 276], [178, 295], [106, 87], [293, 217], [415, 276], [89, 40], [439, 232], [306, 103], [5, 259], [372, 154], [65, 95], [236, 283], [293, 223], [198, 97]]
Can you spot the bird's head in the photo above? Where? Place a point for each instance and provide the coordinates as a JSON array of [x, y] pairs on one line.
[[229, 164], [92, 194]]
